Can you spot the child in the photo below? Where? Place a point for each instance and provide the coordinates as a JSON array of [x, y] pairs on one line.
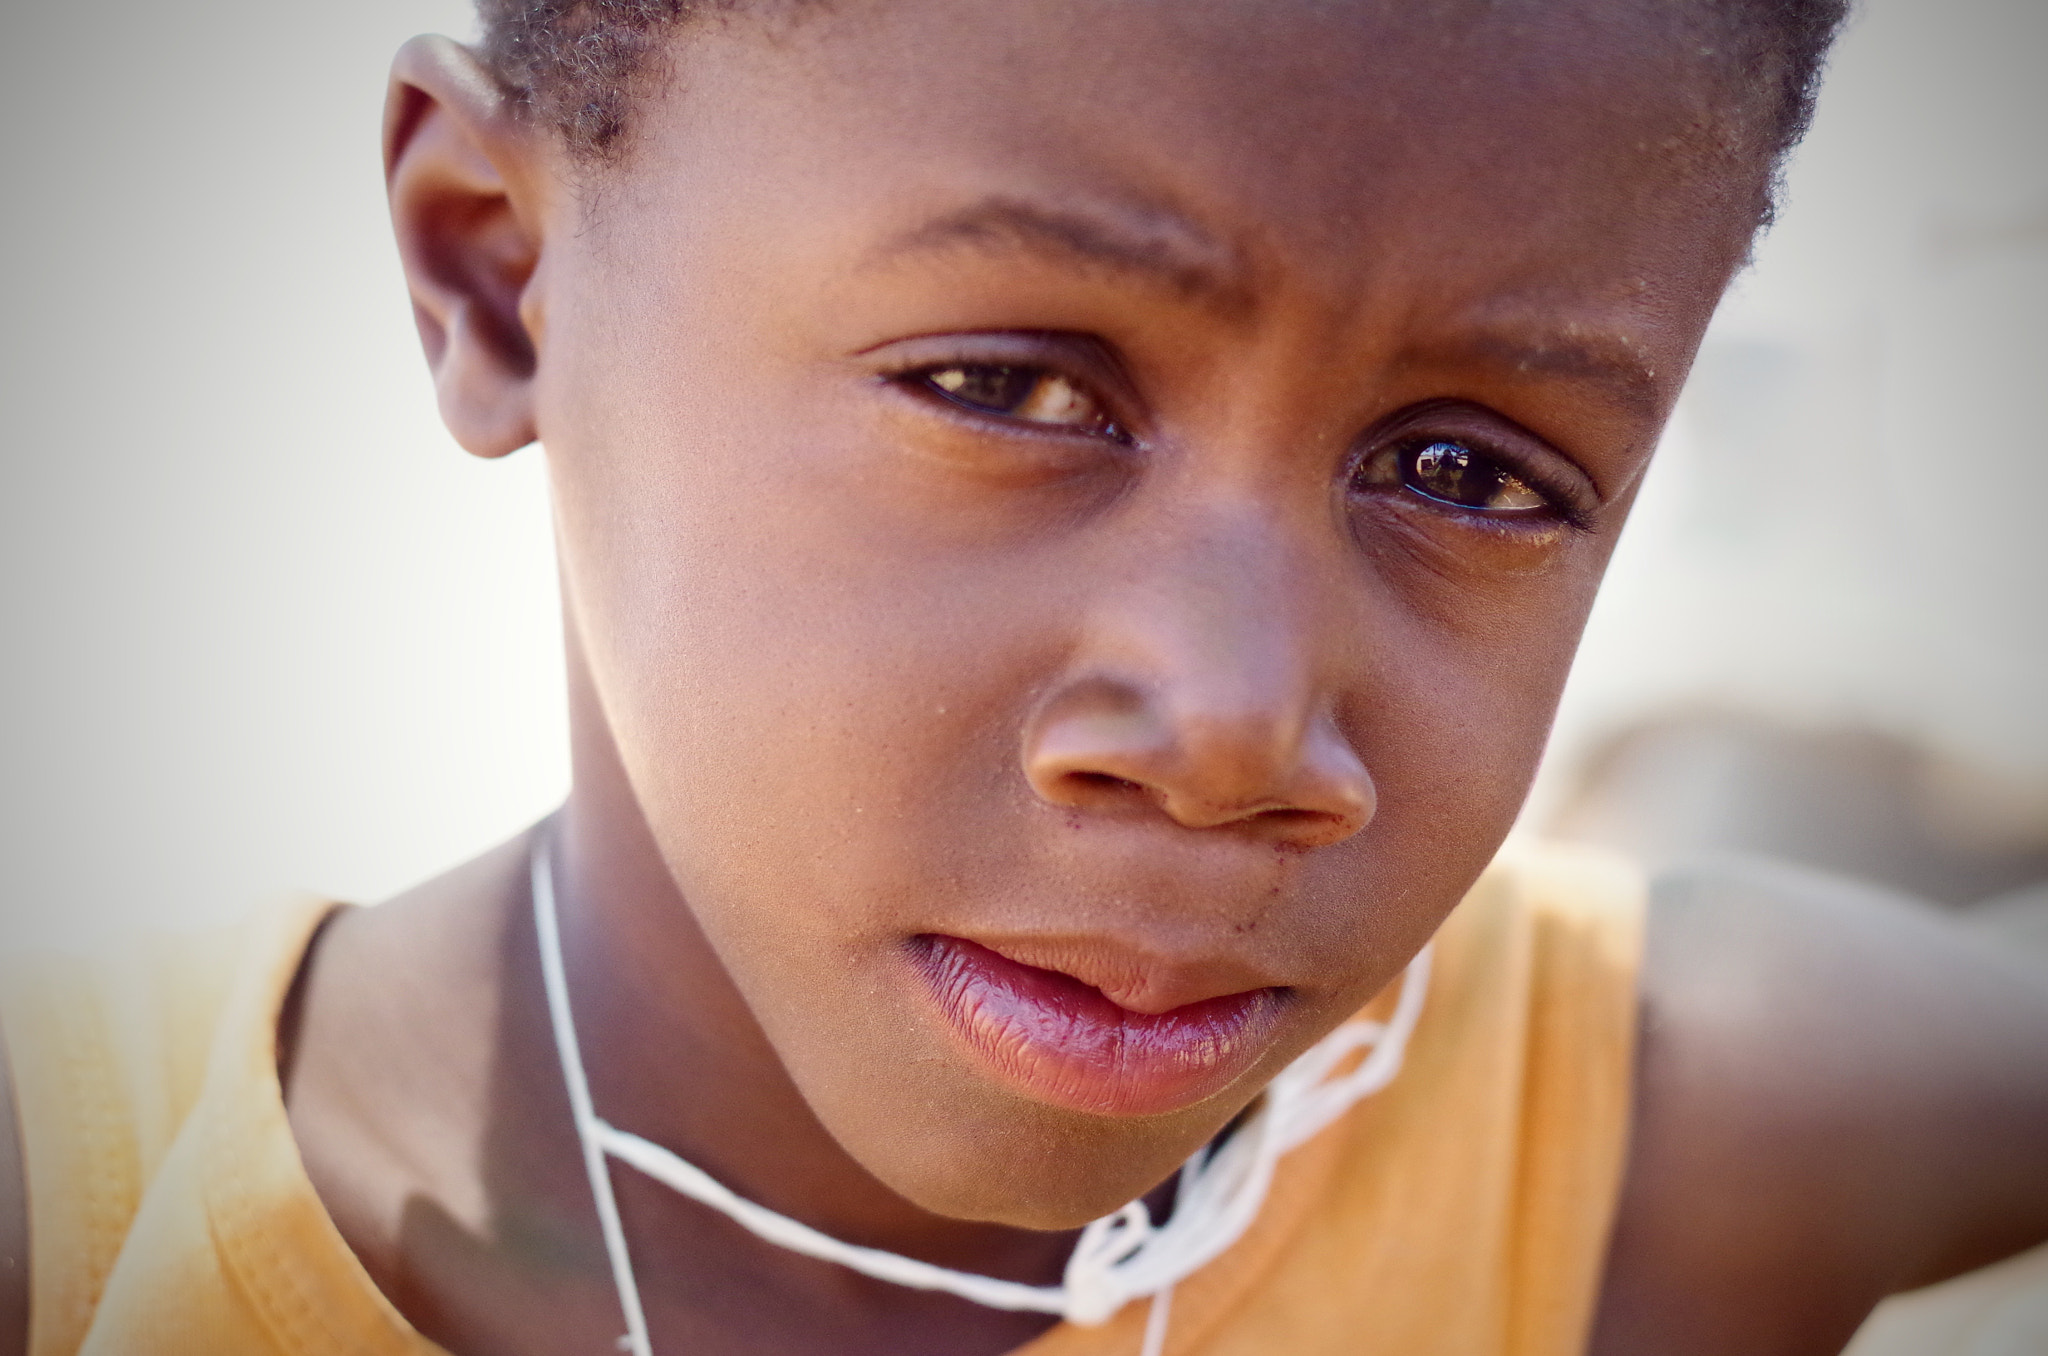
[[1074, 517]]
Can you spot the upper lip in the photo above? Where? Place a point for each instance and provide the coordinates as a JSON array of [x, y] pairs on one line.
[[1137, 979]]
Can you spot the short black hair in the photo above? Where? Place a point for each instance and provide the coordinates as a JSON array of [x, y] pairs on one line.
[[572, 64]]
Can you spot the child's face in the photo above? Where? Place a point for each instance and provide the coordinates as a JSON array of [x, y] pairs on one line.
[[994, 446]]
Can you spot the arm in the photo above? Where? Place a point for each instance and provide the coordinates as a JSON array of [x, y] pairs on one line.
[[1840, 1095], [13, 1225]]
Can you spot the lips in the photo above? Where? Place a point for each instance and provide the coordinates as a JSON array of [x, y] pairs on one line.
[[1059, 1040]]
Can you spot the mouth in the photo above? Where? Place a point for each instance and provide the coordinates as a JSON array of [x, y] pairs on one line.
[[1060, 1040]]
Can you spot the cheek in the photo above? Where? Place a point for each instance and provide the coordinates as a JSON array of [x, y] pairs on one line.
[[1459, 687], [1455, 738], [814, 666], [789, 697]]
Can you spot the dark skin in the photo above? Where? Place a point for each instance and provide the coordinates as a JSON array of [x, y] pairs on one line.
[[1168, 659]]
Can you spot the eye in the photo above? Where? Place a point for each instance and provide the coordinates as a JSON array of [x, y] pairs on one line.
[[1033, 395], [1453, 473]]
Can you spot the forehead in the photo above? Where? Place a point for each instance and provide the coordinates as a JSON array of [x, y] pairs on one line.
[[1521, 159], [1318, 104]]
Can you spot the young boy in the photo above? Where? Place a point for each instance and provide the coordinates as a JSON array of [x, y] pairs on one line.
[[1074, 517]]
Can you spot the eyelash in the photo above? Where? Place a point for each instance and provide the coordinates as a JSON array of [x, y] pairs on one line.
[[1028, 383]]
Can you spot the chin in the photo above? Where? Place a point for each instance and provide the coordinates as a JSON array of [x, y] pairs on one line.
[[985, 1155]]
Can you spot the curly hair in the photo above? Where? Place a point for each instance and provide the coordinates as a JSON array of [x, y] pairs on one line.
[[573, 64]]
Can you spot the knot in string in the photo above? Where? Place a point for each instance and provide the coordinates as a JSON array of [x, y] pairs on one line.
[[1092, 1292]]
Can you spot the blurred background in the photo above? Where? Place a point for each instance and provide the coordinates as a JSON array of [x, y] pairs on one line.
[[1825, 635], [267, 628]]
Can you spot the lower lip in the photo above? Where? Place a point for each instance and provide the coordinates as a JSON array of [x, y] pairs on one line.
[[1061, 1041]]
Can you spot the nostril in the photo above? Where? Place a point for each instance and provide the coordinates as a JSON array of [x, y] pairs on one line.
[[1101, 790], [1103, 781]]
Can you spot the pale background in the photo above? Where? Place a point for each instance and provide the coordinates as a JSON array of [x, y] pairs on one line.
[[267, 629]]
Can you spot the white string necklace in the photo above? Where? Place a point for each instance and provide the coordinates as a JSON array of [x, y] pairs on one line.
[[1119, 1258]]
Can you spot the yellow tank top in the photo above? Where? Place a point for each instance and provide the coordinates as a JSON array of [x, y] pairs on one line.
[[1464, 1211]]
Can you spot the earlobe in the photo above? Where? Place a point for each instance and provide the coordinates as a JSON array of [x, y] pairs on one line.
[[459, 167]]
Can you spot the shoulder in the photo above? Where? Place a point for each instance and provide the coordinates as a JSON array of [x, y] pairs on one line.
[[106, 1049], [1571, 917], [1840, 1095]]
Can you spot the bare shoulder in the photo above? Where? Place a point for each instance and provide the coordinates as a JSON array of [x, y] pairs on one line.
[[1841, 1095]]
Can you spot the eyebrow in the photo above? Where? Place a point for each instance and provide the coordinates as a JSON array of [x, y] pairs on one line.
[[1157, 247], [1166, 250], [1608, 359]]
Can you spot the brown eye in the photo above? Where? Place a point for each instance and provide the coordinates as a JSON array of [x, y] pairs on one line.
[[1031, 394], [1452, 473]]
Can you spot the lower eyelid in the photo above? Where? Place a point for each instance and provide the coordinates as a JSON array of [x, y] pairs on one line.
[[1542, 524], [1439, 527], [1547, 520]]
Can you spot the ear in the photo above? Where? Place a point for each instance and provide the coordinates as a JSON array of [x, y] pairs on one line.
[[463, 172]]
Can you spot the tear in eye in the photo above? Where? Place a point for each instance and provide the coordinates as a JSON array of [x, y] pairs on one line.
[[1452, 473], [1031, 394]]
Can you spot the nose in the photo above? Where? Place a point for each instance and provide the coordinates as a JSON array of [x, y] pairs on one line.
[[1204, 692]]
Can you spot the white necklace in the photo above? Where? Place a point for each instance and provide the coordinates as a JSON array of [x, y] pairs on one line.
[[1119, 1258]]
